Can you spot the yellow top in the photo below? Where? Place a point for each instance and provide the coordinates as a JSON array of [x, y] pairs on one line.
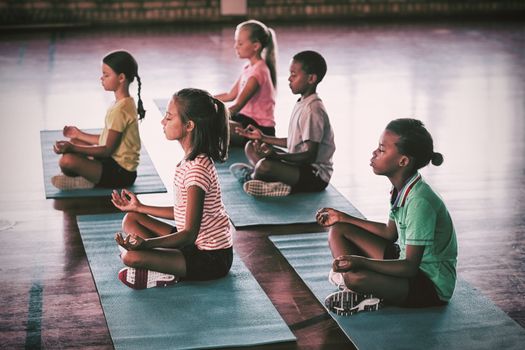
[[122, 118]]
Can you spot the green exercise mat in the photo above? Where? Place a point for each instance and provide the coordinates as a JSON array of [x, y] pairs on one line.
[[148, 180], [229, 312], [470, 321]]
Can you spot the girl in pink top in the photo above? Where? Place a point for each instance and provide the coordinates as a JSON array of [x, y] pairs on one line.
[[199, 246], [254, 92]]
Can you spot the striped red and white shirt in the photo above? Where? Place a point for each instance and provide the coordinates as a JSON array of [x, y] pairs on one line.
[[215, 231]]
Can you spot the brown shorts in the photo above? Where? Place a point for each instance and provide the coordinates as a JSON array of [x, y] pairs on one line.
[[422, 292], [308, 181], [203, 265]]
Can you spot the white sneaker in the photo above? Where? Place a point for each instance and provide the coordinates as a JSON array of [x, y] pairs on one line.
[[142, 278], [64, 182], [266, 189], [242, 172], [336, 278], [347, 302]]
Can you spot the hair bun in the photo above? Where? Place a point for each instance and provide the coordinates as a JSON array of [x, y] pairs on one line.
[[437, 158]]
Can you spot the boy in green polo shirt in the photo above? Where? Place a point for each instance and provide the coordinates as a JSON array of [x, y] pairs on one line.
[[368, 267]]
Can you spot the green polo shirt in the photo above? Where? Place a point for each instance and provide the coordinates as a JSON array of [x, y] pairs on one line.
[[422, 219]]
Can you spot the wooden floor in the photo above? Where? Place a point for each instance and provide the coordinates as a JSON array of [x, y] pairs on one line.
[[464, 80]]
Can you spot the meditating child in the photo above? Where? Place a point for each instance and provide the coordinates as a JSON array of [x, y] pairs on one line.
[[111, 158], [307, 165], [199, 247], [367, 266], [254, 91]]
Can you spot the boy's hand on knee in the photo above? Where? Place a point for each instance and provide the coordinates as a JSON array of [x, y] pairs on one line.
[[266, 149], [263, 149], [250, 132]]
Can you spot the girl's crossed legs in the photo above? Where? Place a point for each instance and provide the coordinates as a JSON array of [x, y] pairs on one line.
[[170, 261], [73, 164], [78, 165], [348, 239]]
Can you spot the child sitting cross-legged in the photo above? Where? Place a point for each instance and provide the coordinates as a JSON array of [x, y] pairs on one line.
[[109, 159], [199, 246], [368, 267], [307, 165]]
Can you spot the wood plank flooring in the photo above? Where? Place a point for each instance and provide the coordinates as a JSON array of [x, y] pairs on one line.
[[464, 80]]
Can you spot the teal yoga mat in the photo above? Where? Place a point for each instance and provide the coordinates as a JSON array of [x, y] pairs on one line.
[[228, 312], [470, 321], [148, 180], [246, 210]]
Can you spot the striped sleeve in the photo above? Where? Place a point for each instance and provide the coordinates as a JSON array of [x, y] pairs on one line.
[[198, 175], [215, 230]]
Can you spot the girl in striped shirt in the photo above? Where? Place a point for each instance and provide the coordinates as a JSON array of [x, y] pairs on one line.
[[199, 246]]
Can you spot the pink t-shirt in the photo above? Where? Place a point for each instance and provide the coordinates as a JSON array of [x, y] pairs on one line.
[[261, 105]]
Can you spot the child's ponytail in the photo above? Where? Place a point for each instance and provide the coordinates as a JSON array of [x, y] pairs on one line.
[[266, 36], [437, 159], [140, 106], [270, 55], [211, 134], [222, 125]]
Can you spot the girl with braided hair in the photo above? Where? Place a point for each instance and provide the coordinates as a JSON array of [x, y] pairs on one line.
[[111, 158]]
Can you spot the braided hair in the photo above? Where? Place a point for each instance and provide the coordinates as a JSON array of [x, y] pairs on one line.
[[123, 63]]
